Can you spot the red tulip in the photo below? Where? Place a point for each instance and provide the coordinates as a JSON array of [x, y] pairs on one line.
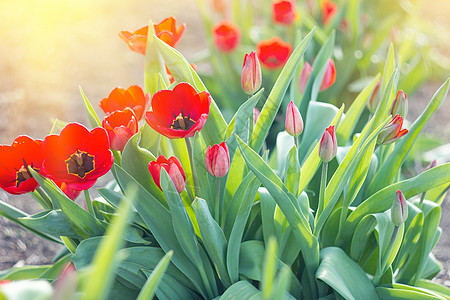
[[283, 11], [173, 168], [15, 178], [304, 77], [328, 145], [329, 10], [294, 121], [133, 98], [121, 125], [166, 31], [217, 160], [251, 77], [392, 131], [226, 36], [179, 113], [77, 156], [330, 75], [400, 105], [273, 53]]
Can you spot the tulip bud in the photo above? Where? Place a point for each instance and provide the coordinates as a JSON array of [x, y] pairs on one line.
[[217, 160], [173, 168], [251, 77], [121, 125], [294, 121], [328, 145], [400, 105], [329, 77], [304, 77], [374, 99], [432, 165], [392, 131], [399, 210]]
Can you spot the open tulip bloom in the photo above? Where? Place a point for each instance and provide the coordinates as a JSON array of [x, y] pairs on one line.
[[238, 208]]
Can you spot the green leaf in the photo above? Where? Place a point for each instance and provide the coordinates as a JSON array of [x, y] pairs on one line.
[[100, 278], [344, 275], [54, 223], [242, 290], [92, 115], [238, 228], [273, 102], [397, 293], [348, 124], [148, 290], [435, 287], [213, 238], [23, 273], [292, 171], [269, 268], [388, 170], [89, 225]]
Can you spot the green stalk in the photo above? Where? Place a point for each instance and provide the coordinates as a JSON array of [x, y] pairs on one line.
[[323, 184], [191, 161], [217, 206], [88, 202]]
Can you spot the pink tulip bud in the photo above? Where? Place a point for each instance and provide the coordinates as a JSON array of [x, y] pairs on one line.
[[399, 210], [304, 77], [432, 165], [392, 131], [294, 121], [217, 160], [251, 77], [173, 168], [121, 125], [328, 145], [374, 99], [329, 77], [400, 105]]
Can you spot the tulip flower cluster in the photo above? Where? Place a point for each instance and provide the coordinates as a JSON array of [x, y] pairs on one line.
[[200, 199]]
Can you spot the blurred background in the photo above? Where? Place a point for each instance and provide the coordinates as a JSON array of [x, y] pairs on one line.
[[50, 48]]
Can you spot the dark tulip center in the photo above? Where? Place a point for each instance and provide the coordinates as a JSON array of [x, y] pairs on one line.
[[182, 122], [22, 175], [80, 163]]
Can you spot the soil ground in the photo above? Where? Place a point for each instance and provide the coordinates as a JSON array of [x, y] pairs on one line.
[[50, 49]]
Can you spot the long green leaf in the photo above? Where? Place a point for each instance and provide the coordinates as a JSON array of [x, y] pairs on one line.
[[148, 290], [154, 65], [92, 115]]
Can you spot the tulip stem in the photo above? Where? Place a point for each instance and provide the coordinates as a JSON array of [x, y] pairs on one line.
[[422, 197], [191, 161], [88, 202], [217, 207], [296, 142], [323, 184]]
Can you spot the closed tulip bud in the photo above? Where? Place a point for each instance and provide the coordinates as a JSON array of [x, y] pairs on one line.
[[217, 160], [432, 165], [328, 145], [173, 168], [294, 121], [251, 76], [374, 99], [400, 105], [399, 210], [304, 77], [392, 131], [329, 77]]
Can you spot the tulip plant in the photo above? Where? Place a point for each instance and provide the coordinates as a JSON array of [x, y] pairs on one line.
[[199, 208]]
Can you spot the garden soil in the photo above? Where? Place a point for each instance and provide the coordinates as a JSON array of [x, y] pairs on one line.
[[51, 48]]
